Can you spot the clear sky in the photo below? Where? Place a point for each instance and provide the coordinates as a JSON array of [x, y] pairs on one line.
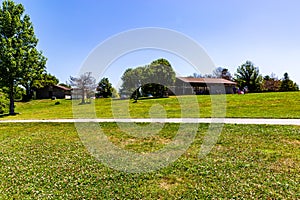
[[266, 32]]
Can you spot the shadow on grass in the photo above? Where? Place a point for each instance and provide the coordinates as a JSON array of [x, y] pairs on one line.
[[84, 103], [6, 115]]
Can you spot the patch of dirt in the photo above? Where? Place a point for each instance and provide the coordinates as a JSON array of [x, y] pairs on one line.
[[292, 142], [285, 164]]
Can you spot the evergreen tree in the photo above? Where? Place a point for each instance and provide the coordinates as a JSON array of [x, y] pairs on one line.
[[104, 88], [287, 84]]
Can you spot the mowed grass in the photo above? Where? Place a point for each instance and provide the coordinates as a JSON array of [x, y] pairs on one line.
[[48, 161], [262, 105]]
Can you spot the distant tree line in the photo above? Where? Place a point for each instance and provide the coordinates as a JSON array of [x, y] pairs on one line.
[[248, 76]]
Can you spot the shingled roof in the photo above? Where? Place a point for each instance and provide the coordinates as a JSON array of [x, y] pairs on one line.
[[63, 87], [207, 80]]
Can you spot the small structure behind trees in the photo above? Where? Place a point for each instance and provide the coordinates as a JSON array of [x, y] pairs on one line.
[[53, 91], [39, 85]]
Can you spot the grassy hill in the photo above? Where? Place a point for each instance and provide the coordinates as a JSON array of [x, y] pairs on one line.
[[262, 105]]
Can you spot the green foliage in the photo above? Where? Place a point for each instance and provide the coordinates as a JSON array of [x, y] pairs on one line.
[[151, 79], [248, 76], [19, 92], [4, 103], [161, 61], [104, 88], [48, 161], [44, 80], [287, 84], [20, 60]]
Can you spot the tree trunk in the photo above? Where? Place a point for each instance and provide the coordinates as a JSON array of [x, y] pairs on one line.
[[83, 97], [11, 99]]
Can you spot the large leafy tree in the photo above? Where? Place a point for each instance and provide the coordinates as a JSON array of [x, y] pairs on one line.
[[104, 88], [150, 79], [84, 84], [19, 58], [287, 84], [160, 75], [248, 76]]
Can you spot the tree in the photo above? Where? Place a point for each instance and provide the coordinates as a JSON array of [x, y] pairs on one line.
[[287, 84], [271, 83], [248, 76], [221, 72], [132, 81], [159, 75], [84, 84], [104, 88], [45, 79], [28, 79], [19, 58], [151, 79]]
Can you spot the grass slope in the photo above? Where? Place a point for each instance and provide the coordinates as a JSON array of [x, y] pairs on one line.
[[49, 161], [263, 105]]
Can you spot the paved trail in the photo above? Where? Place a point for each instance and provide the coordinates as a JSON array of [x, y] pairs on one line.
[[170, 120]]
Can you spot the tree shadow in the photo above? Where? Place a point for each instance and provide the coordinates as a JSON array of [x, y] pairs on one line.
[[84, 103], [7, 114]]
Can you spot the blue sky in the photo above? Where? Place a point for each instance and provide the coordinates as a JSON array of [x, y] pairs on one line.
[[265, 32]]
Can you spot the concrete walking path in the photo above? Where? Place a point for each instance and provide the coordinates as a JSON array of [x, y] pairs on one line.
[[168, 120]]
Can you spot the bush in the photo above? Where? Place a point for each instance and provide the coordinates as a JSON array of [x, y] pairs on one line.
[[4, 102]]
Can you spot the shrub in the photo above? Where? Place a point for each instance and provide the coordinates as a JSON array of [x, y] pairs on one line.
[[4, 103]]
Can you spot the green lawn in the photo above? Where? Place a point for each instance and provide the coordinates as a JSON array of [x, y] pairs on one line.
[[48, 161], [264, 105]]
